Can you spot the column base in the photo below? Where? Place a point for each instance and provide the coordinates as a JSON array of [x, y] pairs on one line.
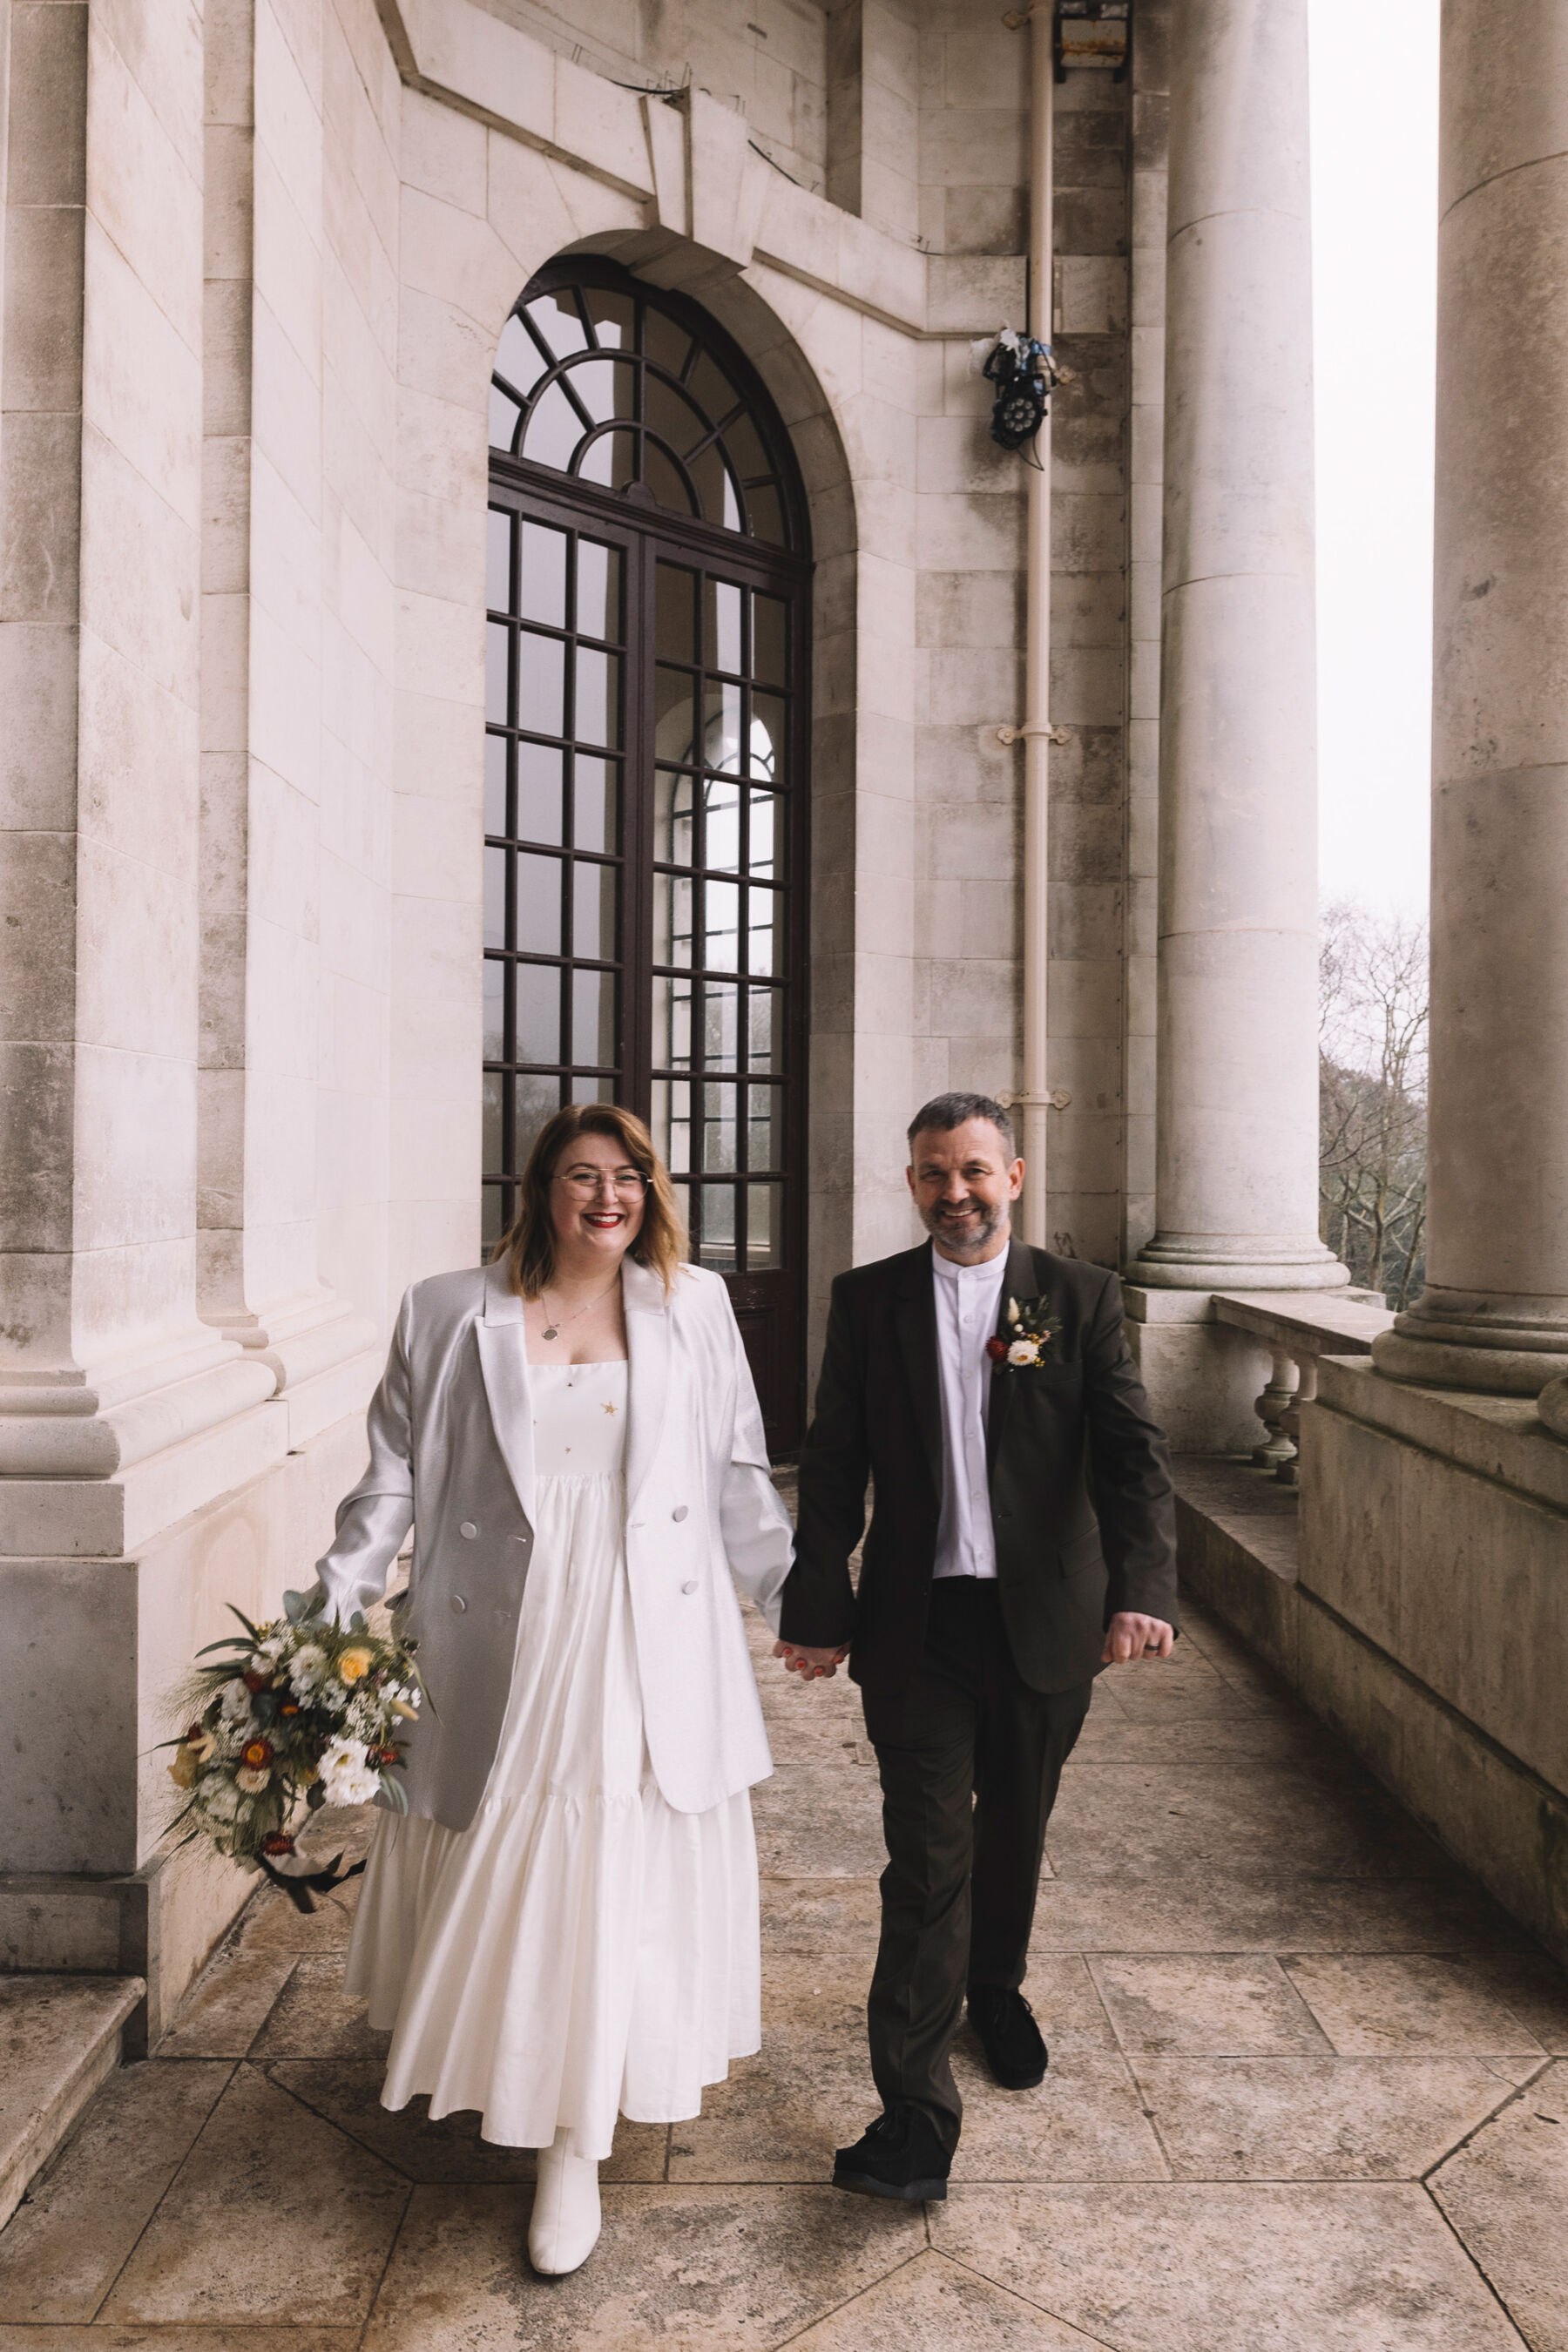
[[1467, 1340], [1176, 1261]]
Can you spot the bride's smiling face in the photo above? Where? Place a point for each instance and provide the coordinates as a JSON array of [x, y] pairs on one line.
[[596, 1200]]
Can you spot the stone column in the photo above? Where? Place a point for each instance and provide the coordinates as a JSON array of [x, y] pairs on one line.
[[1494, 1315], [1236, 1145]]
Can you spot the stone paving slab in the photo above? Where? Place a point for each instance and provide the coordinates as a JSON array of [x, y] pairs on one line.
[[1306, 2095]]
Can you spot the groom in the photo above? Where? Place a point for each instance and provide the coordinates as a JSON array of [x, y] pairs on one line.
[[1023, 1536]]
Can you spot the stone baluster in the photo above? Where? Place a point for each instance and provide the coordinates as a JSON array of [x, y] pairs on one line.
[[1271, 1406], [1289, 1472]]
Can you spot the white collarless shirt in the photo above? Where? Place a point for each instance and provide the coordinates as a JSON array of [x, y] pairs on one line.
[[968, 1303]]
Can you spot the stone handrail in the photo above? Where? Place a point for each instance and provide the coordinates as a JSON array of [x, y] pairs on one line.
[[1298, 1327]]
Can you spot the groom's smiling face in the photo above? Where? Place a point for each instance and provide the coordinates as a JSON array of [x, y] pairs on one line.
[[964, 1186]]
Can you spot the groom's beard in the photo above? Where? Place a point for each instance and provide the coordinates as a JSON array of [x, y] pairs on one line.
[[965, 1236]]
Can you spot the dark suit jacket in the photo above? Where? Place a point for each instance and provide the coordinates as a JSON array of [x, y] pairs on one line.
[[1081, 1499]]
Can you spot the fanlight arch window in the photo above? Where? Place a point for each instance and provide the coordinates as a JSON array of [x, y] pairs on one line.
[[606, 385]]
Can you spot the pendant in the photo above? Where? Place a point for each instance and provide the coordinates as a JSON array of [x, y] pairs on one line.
[[550, 1332]]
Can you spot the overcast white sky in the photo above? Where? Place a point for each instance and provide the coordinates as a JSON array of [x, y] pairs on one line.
[[1375, 212]]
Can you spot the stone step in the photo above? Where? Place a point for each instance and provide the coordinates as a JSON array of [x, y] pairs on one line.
[[59, 2036]]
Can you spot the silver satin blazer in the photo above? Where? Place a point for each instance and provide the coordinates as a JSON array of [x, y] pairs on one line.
[[451, 1453]]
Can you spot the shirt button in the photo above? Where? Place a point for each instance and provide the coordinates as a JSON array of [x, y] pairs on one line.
[[457, 1604], [468, 1529], [690, 1587], [678, 1512]]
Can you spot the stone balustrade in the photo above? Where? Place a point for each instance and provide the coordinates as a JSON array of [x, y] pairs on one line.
[[1298, 1328]]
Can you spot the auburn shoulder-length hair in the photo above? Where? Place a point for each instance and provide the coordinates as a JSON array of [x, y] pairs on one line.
[[528, 1245]]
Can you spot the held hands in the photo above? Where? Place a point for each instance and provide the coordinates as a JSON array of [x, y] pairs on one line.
[[1129, 1636], [807, 1663]]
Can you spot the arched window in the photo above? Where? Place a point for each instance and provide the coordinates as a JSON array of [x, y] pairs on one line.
[[646, 745]]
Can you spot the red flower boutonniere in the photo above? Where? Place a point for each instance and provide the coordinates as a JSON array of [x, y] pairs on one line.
[[1032, 1331]]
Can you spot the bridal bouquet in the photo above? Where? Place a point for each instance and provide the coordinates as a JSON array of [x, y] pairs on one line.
[[299, 1708]]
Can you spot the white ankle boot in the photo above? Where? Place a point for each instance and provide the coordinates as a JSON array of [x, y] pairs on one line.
[[564, 2228]]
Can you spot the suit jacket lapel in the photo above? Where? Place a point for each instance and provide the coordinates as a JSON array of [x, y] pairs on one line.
[[503, 1361], [648, 1378], [914, 1321], [1018, 1282]]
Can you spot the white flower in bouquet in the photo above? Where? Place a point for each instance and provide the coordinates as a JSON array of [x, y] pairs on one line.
[[348, 1777], [307, 1670], [234, 1701], [220, 1798]]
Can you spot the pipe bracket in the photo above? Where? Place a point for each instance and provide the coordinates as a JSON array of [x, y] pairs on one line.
[[1057, 1099], [1034, 727]]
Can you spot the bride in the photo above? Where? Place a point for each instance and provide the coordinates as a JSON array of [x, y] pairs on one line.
[[564, 1925]]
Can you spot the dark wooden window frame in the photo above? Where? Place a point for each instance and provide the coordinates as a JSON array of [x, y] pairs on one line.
[[770, 1300]]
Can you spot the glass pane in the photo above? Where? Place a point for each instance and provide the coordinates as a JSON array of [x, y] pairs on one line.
[[538, 996], [592, 1090], [495, 1009], [593, 893], [539, 792], [494, 1085], [612, 315], [672, 829], [611, 459], [497, 562], [721, 625], [593, 1017], [664, 342], [671, 1117], [718, 1245], [504, 415], [747, 454], [598, 719], [666, 480], [493, 1215], [497, 655], [674, 725], [767, 738], [765, 934], [538, 1099], [598, 590], [720, 1025], [765, 1025], [538, 916], [552, 431], [769, 616], [543, 577], [765, 1128], [517, 356], [596, 803], [674, 897], [605, 387], [721, 834], [671, 1025], [674, 611], [766, 849], [556, 317], [711, 479], [722, 928], [767, 515], [720, 1142], [495, 784], [670, 415], [732, 510], [722, 726], [540, 684], [764, 1225], [712, 387], [495, 896]]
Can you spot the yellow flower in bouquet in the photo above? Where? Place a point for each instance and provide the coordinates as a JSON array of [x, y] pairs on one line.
[[353, 1666]]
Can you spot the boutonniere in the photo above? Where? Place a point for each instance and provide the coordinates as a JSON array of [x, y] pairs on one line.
[[1032, 1332]]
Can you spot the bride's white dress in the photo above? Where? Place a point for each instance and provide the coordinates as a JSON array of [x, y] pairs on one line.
[[580, 1950]]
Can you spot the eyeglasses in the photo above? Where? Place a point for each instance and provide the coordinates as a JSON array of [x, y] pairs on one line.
[[586, 1184]]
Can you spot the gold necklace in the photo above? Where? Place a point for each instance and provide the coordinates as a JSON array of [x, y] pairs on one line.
[[552, 1330]]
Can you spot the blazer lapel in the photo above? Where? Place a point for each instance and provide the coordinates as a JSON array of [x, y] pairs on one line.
[[647, 1377], [1018, 1282], [914, 1320], [503, 1361]]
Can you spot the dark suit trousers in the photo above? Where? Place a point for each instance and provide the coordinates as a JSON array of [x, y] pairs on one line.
[[970, 1758]]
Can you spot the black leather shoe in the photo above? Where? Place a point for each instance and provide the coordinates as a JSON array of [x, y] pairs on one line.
[[1014, 2046], [901, 2157]]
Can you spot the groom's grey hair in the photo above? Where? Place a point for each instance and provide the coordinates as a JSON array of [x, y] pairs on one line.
[[944, 1112]]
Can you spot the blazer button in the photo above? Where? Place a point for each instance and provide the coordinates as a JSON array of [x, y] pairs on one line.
[[678, 1512], [690, 1587], [457, 1604], [468, 1529]]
